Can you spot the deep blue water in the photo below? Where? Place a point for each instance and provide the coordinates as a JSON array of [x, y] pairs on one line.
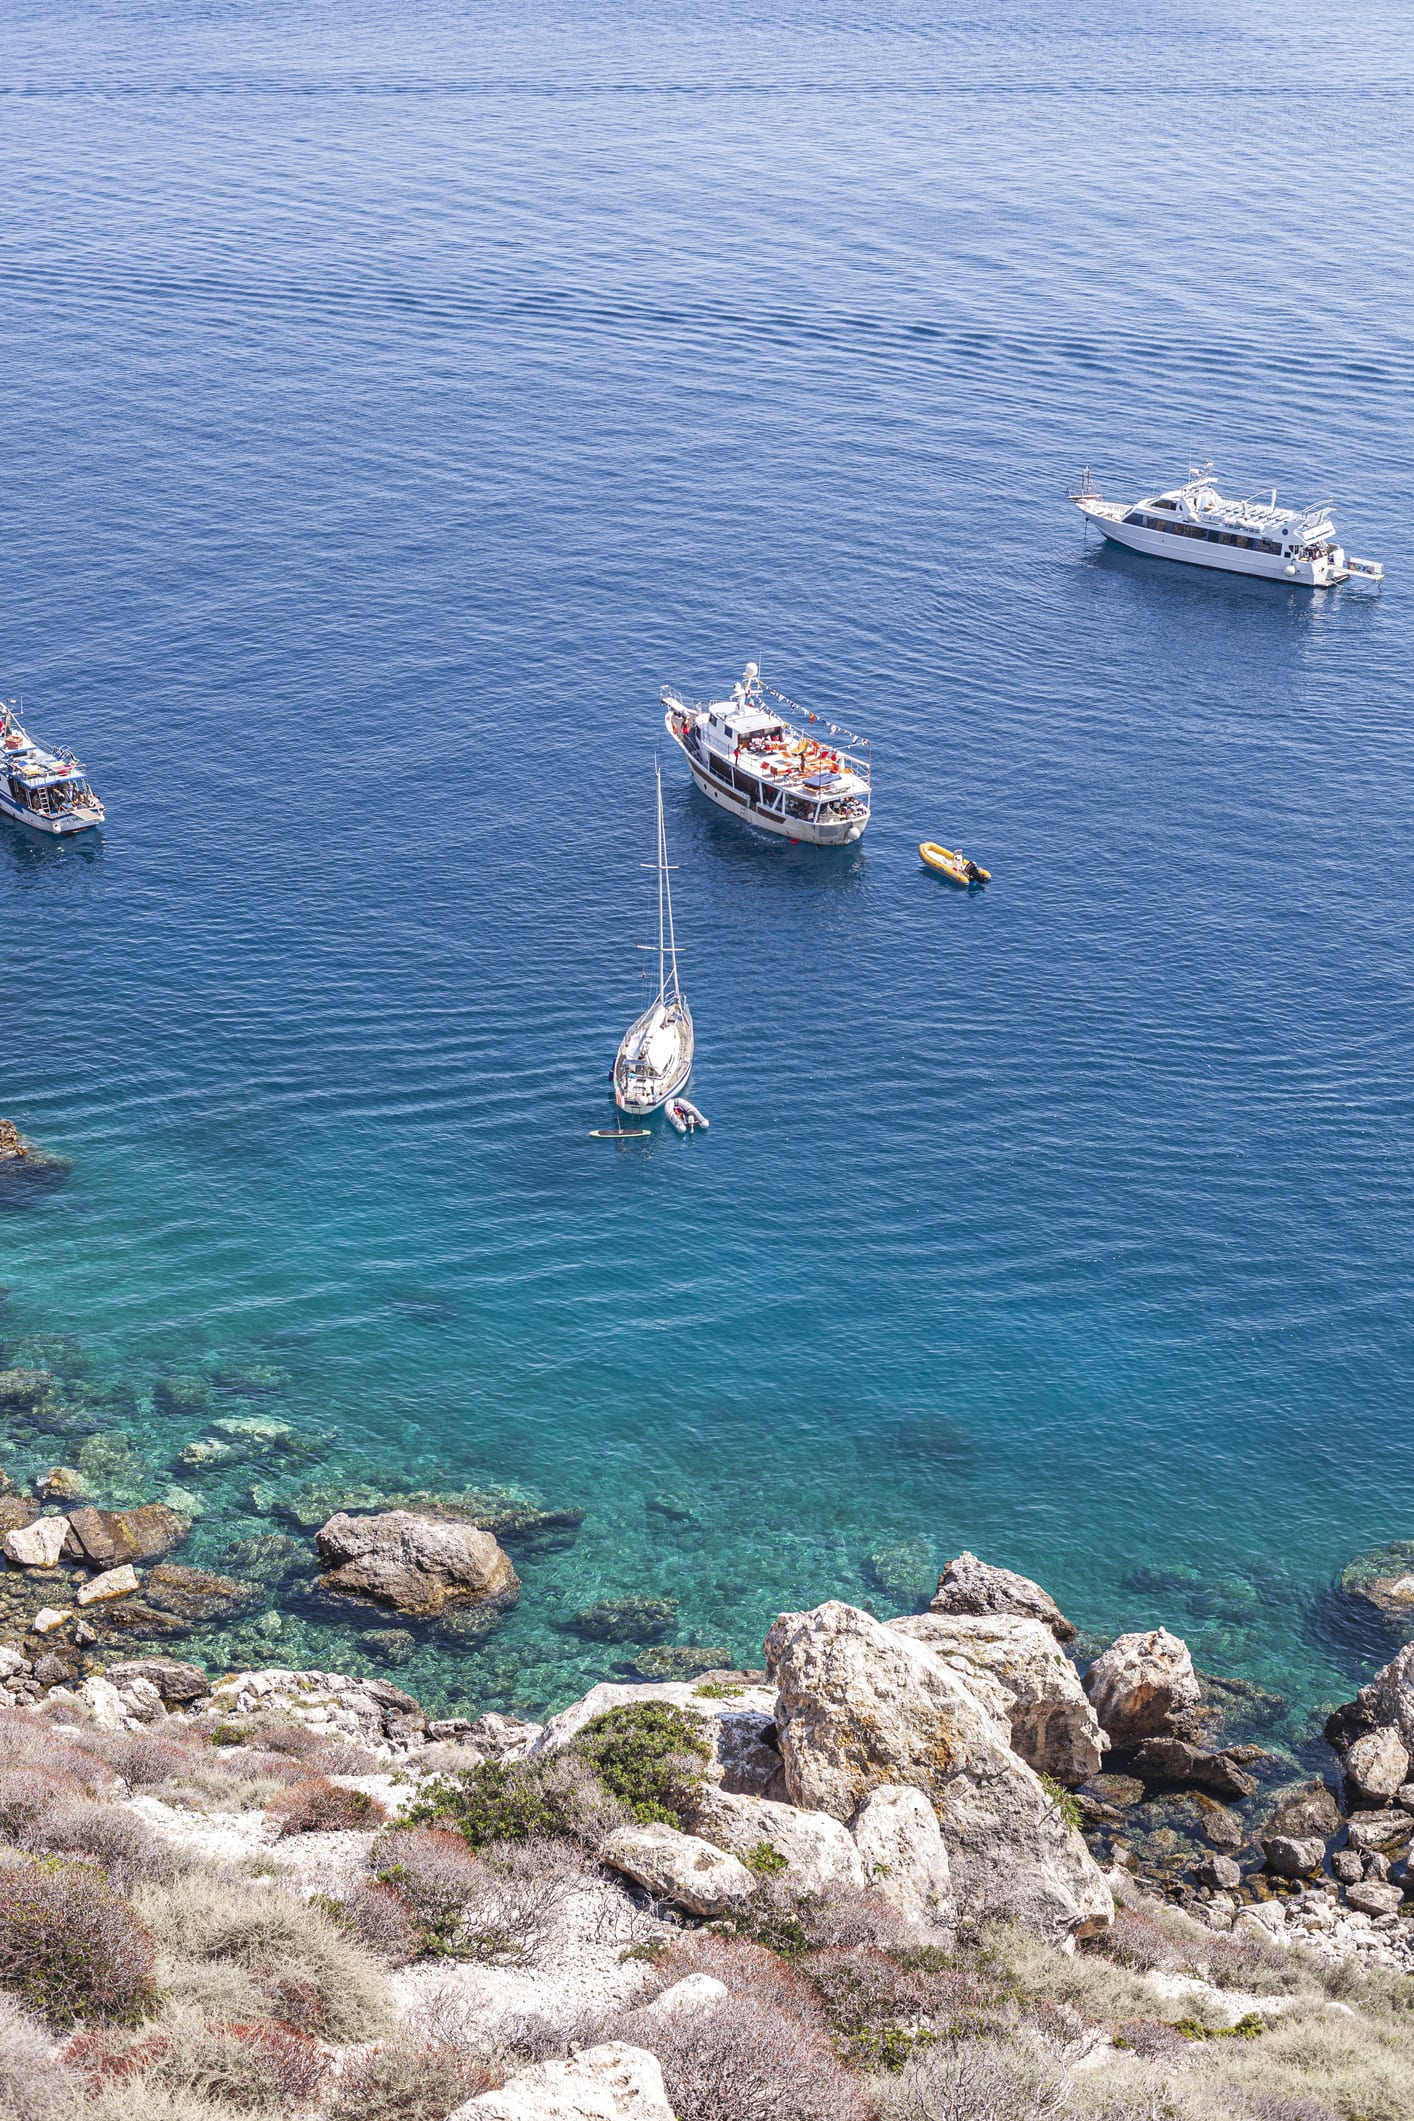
[[393, 399]]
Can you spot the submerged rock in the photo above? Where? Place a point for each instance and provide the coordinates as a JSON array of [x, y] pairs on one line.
[[968, 1585], [269, 1557], [1383, 1579], [415, 1564], [175, 1599], [636, 1619], [111, 1468], [499, 1511], [110, 1537], [1144, 1686], [679, 1660], [16, 1510], [389, 1645], [904, 1570], [24, 1163], [1052, 1723], [862, 1705], [1177, 1760], [22, 1391]]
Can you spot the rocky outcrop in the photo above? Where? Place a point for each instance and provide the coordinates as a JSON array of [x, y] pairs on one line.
[[1290, 1857], [1386, 1703], [814, 1849], [680, 1868], [904, 1856], [174, 1680], [1052, 1723], [23, 1391], [371, 1711], [1144, 1686], [1377, 1765], [738, 1723], [1178, 1760], [614, 2082], [417, 1565], [862, 1706], [111, 1537], [968, 1585]]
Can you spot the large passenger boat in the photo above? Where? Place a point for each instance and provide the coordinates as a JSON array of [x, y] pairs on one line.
[[760, 756], [654, 1059], [1195, 523], [47, 790]]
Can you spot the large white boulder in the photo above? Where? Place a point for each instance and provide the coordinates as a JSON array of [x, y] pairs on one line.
[[815, 1849], [614, 2082], [738, 1725], [1388, 1700], [861, 1705], [414, 1564], [904, 1855], [682, 1868], [1052, 1723], [1144, 1686], [1377, 1765]]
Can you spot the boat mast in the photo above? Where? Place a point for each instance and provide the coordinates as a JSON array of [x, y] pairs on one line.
[[665, 903]]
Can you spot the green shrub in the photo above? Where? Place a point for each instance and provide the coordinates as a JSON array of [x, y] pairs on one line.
[[70, 1948], [1061, 1801], [644, 1753], [559, 1797], [765, 1860]]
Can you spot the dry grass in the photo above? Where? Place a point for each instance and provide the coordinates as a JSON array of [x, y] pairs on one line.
[[407, 2082], [256, 1952], [125, 1845], [257, 2068], [379, 1918], [35, 2085]]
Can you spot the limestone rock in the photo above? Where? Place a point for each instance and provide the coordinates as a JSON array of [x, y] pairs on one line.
[[175, 1598], [414, 1564], [904, 1855], [816, 1849], [104, 1703], [22, 1391], [1177, 1760], [1291, 1858], [614, 2082], [1308, 1811], [1404, 1797], [1144, 1686], [113, 1583], [1348, 1865], [681, 1868], [862, 1706], [60, 1484], [1220, 1872], [694, 1992], [1053, 1725], [1373, 1897], [498, 1737], [39, 1544], [15, 1511], [111, 1537], [370, 1711], [1378, 1830], [1387, 1700], [738, 1724], [968, 1585], [50, 1617], [1377, 1765]]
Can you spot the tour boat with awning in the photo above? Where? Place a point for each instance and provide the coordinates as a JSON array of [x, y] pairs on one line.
[[773, 763], [47, 790]]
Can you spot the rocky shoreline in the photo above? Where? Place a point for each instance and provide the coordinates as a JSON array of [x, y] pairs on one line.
[[883, 1799]]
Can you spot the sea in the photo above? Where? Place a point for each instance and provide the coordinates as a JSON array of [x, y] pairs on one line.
[[394, 399]]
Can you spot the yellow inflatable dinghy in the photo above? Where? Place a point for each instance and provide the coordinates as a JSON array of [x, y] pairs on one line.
[[954, 866]]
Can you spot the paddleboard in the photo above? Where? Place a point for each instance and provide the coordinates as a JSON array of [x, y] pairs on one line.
[[619, 1134]]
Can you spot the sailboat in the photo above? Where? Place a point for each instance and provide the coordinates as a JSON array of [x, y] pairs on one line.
[[654, 1059]]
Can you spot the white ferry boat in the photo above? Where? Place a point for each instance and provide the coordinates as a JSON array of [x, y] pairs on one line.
[[47, 790], [654, 1059], [769, 761], [1195, 523]]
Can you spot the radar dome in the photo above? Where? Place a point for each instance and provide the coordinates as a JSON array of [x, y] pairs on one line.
[[750, 672]]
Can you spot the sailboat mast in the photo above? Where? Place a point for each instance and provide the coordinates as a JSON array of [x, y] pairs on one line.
[[662, 885]]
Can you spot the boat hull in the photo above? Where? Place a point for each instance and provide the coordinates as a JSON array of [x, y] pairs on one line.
[[839, 832], [61, 827], [638, 1091]]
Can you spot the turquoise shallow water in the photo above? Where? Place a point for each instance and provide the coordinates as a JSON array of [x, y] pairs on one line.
[[391, 405]]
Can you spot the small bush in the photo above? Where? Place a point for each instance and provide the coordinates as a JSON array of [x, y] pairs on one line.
[[316, 1749], [516, 1800], [1062, 1802], [434, 1873], [646, 1753], [125, 1845], [1134, 1940], [379, 1918], [70, 1948], [743, 2058], [26, 1794], [257, 1952], [143, 1759], [319, 1807], [521, 1892], [1017, 2079], [35, 2084], [257, 2068], [883, 2012], [742, 1967], [404, 2082]]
